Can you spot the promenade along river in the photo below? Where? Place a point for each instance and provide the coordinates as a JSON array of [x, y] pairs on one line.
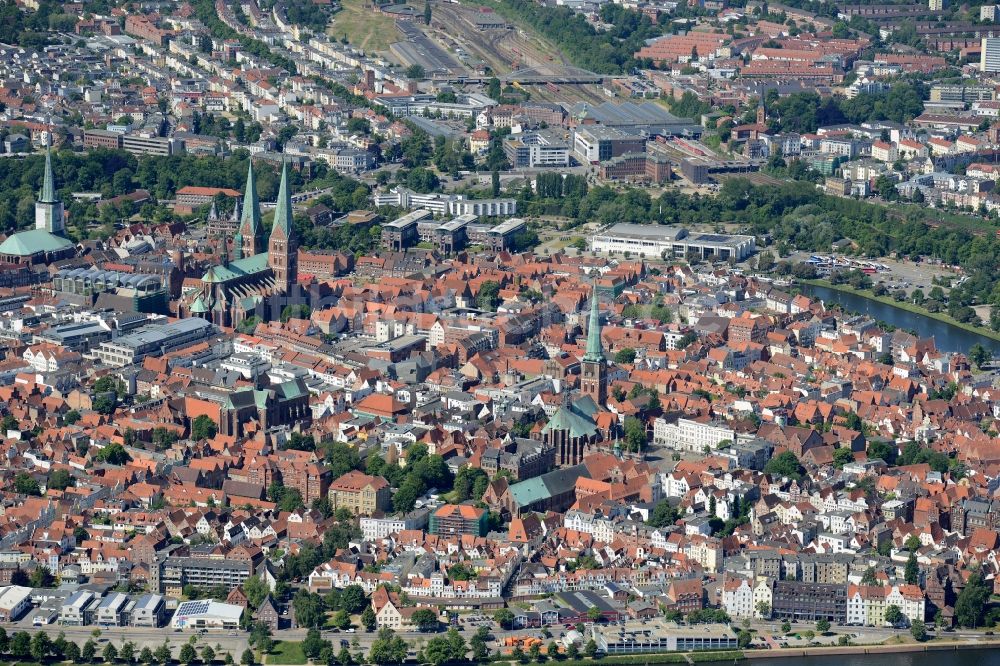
[[946, 336]]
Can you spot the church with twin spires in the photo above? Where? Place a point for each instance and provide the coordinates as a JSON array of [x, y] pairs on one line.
[[258, 280]]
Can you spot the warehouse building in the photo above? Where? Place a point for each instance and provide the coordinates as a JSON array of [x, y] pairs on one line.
[[652, 240], [15, 601]]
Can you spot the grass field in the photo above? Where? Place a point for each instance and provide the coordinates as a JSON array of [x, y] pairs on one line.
[[287, 653], [364, 28]]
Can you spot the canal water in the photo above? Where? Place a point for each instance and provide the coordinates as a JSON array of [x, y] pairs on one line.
[[947, 337]]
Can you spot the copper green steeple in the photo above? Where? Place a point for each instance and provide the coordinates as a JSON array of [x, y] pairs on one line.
[[283, 207], [249, 239], [595, 352], [49, 183]]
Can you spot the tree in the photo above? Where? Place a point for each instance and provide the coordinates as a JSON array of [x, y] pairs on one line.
[[308, 609], [207, 654], [425, 619], [625, 356], [352, 599], [41, 645], [971, 601], [387, 648], [368, 619], [535, 652], [504, 617], [313, 643], [594, 614], [980, 356], [60, 479], [918, 630], [842, 456], [590, 649], [256, 590], [784, 464], [488, 296], [437, 651], [341, 619], [113, 454], [415, 72], [72, 652], [110, 653], [162, 654], [71, 417], [203, 427], [869, 577], [823, 626], [456, 645], [635, 434], [88, 651], [146, 655], [127, 652], [495, 182], [427, 12], [743, 639], [786, 627], [893, 615], [912, 543], [663, 514], [41, 577], [911, 572], [25, 484], [247, 658]]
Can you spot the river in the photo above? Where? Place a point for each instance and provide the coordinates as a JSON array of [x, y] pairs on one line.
[[936, 657], [947, 337]]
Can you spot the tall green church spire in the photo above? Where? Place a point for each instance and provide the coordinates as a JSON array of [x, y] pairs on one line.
[[49, 183], [595, 352], [251, 206], [249, 239], [283, 207]]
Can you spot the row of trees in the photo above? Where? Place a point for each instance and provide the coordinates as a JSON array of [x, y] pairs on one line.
[[41, 648]]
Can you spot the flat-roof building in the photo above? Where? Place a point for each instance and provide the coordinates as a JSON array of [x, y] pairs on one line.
[[206, 614], [149, 611], [79, 609], [114, 610], [402, 232], [153, 339], [15, 600], [497, 237], [662, 636], [652, 240]]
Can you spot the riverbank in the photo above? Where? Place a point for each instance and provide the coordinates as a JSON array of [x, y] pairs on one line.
[[904, 305], [844, 650]]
